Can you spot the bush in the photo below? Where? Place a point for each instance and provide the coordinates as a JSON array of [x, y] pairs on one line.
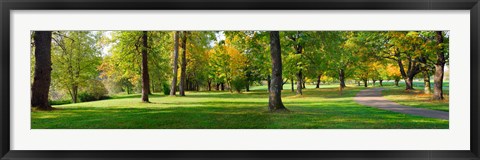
[[238, 84], [95, 91], [166, 89]]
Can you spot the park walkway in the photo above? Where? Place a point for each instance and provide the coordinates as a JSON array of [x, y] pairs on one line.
[[373, 98]]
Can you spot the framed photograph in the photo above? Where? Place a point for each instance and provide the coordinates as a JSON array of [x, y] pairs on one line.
[[202, 79]]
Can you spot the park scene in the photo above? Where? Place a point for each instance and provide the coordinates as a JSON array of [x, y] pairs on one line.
[[239, 79]]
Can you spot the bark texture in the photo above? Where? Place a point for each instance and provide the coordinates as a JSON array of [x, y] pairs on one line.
[[439, 69], [275, 103], [145, 76], [183, 74], [43, 69]]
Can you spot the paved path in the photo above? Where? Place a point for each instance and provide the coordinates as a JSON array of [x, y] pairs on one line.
[[373, 97]]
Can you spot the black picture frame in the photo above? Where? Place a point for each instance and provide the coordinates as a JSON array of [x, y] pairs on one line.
[[9, 5]]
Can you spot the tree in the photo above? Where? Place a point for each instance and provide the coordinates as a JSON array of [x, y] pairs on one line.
[[183, 75], [145, 76], [275, 103], [175, 64], [75, 57], [439, 67], [43, 68]]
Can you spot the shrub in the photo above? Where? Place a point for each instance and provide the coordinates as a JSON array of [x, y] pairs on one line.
[[238, 84], [94, 91], [166, 89]]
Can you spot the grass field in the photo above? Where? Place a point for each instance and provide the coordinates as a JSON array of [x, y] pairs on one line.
[[317, 108]]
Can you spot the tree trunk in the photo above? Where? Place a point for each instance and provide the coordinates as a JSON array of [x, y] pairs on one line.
[[439, 69], [222, 86], [291, 82], [247, 86], [358, 83], [43, 69], [75, 94], [209, 85], [365, 83], [269, 80], [303, 84], [217, 87], [275, 103], [396, 82], [342, 78], [299, 83], [183, 74], [426, 82], [145, 76], [318, 81], [173, 88], [409, 83], [381, 82], [373, 82]]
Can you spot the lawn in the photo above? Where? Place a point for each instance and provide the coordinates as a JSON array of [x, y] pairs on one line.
[[317, 108]]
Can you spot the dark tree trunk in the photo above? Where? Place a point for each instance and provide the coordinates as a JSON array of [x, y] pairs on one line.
[[222, 86], [413, 69], [365, 83], [439, 69], [269, 80], [318, 81], [303, 84], [381, 82], [342, 78], [43, 69], [373, 82], [209, 87], [293, 88], [358, 83], [247, 86], [183, 74], [275, 103], [173, 88], [145, 76], [217, 87], [396, 82], [299, 83]]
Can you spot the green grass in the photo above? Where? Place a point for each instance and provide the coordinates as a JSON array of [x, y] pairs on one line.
[[317, 108]]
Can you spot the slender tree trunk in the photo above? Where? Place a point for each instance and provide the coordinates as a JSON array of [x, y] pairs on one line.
[[381, 82], [426, 82], [439, 69], [299, 83], [183, 74], [173, 88], [342, 78], [275, 103], [247, 86], [373, 80], [269, 80], [396, 82], [43, 69], [293, 88], [318, 81], [217, 87], [365, 83], [222, 85], [303, 84], [209, 87], [75, 94], [358, 83], [145, 76]]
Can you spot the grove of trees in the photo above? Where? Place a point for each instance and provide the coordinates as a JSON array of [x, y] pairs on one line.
[[89, 65]]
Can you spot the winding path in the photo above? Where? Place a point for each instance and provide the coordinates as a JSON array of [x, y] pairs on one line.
[[373, 98]]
